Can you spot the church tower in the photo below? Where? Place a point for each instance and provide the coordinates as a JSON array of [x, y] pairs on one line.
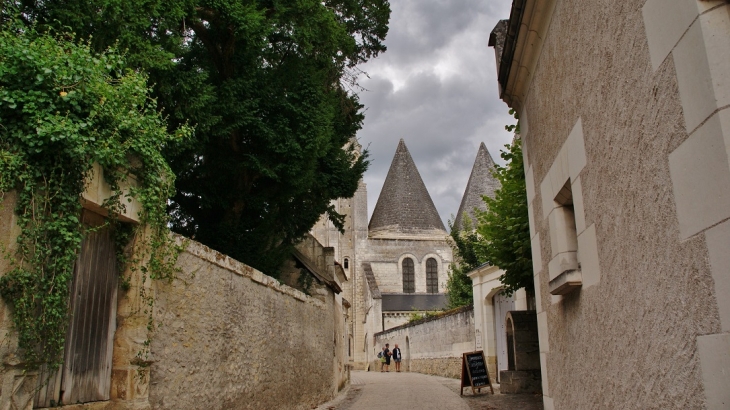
[[396, 264], [405, 258]]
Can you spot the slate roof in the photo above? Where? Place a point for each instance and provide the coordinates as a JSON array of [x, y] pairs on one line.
[[403, 302], [404, 204], [481, 182], [497, 38]]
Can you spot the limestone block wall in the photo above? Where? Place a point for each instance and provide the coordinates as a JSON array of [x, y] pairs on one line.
[[629, 104], [227, 336], [230, 337], [372, 320], [385, 257], [433, 345]]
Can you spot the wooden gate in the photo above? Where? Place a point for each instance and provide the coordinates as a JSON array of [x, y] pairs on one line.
[[86, 372]]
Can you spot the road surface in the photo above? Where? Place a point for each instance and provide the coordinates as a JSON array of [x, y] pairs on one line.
[[404, 391]]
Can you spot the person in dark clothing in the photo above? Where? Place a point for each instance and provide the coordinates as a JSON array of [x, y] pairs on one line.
[[397, 357], [387, 354]]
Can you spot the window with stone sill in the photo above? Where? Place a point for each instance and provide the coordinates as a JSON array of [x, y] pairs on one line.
[[565, 273], [432, 276], [409, 276]]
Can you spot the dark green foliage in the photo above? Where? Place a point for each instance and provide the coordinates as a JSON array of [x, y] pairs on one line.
[[459, 286], [502, 235], [504, 228], [62, 108], [266, 85]]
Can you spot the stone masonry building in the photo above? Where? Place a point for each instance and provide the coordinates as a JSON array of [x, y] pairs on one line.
[[396, 264], [625, 123]]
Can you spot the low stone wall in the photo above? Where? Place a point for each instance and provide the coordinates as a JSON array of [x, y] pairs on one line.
[[226, 337], [438, 366], [231, 337], [432, 345]]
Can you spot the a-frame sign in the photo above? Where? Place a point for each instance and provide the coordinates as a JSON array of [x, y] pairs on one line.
[[474, 372]]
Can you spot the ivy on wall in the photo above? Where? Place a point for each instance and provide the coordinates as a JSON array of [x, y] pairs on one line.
[[63, 108]]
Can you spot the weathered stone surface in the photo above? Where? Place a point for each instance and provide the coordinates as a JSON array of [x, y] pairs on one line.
[[520, 382], [433, 345], [438, 366], [229, 338], [636, 330]]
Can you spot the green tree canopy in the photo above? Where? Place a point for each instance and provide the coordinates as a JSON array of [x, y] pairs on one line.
[[466, 258], [504, 229], [267, 85], [501, 236]]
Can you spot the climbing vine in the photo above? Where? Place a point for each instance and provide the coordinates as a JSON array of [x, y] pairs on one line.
[[62, 109]]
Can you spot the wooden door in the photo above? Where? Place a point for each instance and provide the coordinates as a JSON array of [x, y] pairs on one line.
[[86, 372], [502, 305]]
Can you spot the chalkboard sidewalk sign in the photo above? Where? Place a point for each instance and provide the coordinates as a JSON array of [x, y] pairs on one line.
[[474, 372]]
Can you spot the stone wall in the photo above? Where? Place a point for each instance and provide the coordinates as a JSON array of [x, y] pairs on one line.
[[625, 101], [226, 336], [433, 345], [230, 337]]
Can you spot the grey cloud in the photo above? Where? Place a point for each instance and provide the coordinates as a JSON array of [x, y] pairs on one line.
[[419, 27], [442, 115]]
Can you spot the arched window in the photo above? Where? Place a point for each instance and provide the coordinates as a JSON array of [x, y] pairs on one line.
[[432, 276], [409, 276], [346, 264]]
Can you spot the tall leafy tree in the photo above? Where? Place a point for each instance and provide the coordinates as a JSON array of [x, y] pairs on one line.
[[504, 229], [267, 85], [466, 258]]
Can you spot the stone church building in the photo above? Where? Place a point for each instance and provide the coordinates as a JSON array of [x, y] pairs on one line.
[[398, 262]]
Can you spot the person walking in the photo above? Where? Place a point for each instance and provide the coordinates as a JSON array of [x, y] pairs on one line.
[[381, 357], [397, 357]]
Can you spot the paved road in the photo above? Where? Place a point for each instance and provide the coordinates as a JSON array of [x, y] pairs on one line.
[[404, 391], [401, 391]]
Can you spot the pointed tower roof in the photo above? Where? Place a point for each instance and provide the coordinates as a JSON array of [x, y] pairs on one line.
[[481, 182], [404, 205]]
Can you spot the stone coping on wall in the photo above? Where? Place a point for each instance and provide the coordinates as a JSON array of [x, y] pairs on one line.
[[239, 268], [437, 316]]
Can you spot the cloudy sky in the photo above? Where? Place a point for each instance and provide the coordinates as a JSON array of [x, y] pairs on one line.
[[435, 87]]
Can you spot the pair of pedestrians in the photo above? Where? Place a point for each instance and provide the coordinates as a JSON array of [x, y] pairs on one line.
[[386, 355]]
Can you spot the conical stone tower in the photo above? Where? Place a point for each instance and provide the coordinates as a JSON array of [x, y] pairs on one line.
[[404, 206], [481, 182]]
